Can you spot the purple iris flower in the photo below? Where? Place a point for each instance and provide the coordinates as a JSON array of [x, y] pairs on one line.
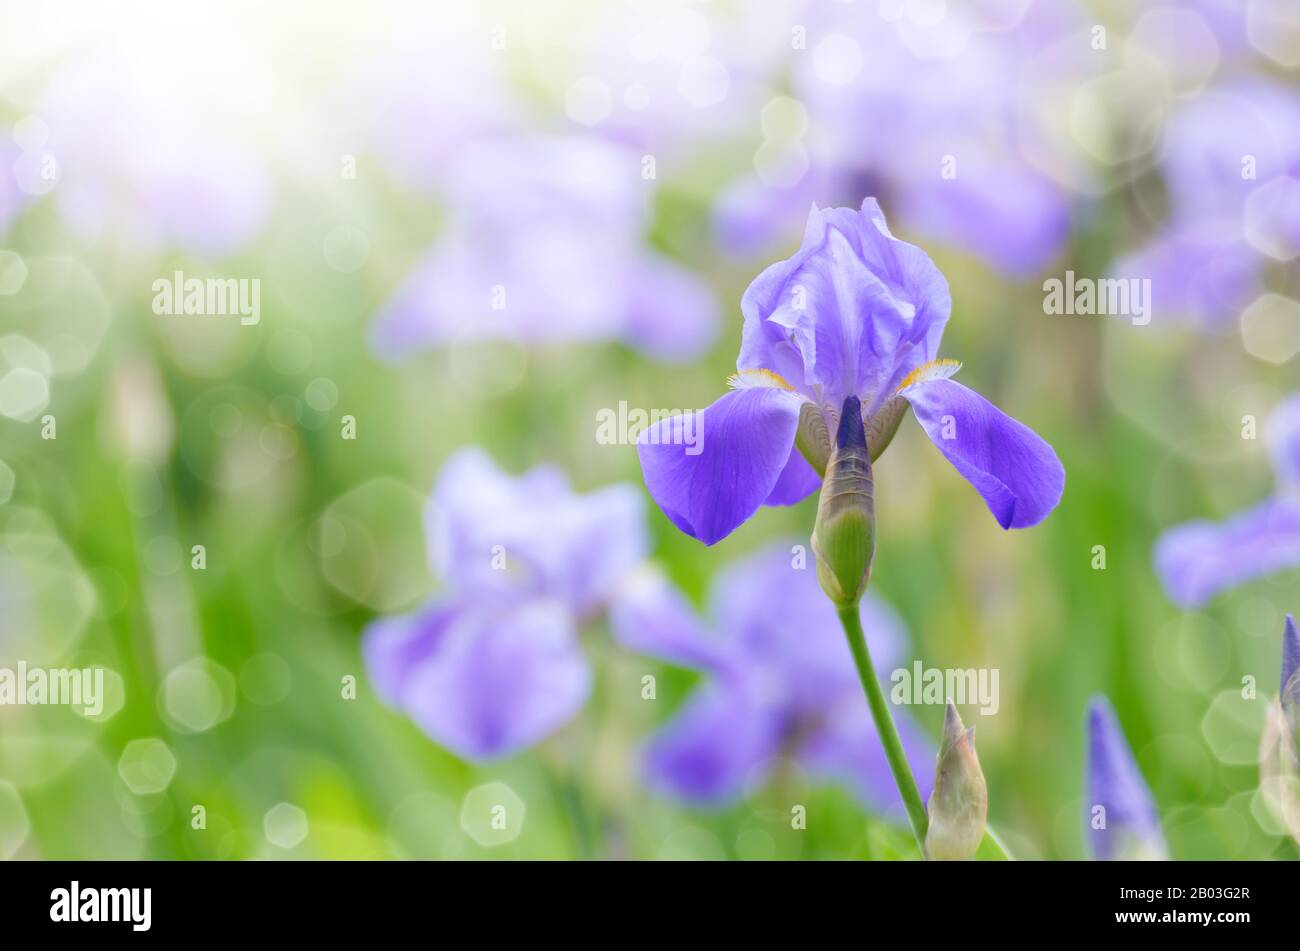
[[545, 243], [856, 312], [778, 683], [493, 664], [1121, 816], [1197, 560]]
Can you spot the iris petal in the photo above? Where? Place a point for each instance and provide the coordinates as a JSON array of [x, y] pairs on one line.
[[499, 680], [650, 616], [797, 481], [721, 740], [710, 478], [1197, 560], [1011, 466]]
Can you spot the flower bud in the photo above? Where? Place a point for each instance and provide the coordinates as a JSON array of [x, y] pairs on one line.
[[844, 536], [959, 804], [1121, 816], [1290, 696], [1279, 744]]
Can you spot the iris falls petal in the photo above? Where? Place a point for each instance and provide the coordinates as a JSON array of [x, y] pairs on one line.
[[1012, 467], [711, 470]]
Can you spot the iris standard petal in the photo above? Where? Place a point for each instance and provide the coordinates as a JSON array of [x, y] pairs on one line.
[[859, 307], [722, 740], [499, 680], [710, 483], [1197, 560], [1011, 466], [1121, 817]]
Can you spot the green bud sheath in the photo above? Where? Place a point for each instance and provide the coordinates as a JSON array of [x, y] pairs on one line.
[[812, 439], [844, 536], [881, 429], [959, 804]]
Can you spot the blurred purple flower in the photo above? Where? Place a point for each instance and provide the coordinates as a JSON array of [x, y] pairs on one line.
[[779, 683], [1216, 151], [856, 312], [1225, 143], [1197, 560], [546, 243], [494, 664], [1127, 825], [1204, 275]]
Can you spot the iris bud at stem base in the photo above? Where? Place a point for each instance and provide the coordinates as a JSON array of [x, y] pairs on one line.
[[844, 536]]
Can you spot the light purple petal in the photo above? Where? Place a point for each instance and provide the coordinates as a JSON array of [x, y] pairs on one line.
[[1283, 434], [1197, 560], [846, 748], [1131, 826], [797, 481], [393, 647], [650, 616], [722, 741], [499, 680], [1011, 466], [709, 485]]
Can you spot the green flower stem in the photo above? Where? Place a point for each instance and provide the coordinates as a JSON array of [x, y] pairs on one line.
[[885, 725]]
